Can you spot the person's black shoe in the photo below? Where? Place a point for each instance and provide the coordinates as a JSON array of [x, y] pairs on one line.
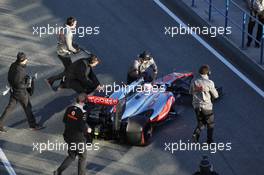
[[49, 83], [58, 88], [54, 88], [195, 138], [56, 172], [209, 142], [36, 127], [2, 129], [248, 44], [257, 45]]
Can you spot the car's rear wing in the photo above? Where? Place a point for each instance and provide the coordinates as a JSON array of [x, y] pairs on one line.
[[118, 107], [171, 78], [102, 100]]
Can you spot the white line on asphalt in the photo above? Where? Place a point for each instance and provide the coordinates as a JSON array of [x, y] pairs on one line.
[[212, 50], [6, 163]]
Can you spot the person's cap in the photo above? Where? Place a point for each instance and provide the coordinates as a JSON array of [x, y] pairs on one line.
[[21, 56], [145, 55]]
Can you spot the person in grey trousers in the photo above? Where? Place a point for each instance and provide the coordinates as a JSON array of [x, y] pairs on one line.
[[203, 90], [65, 48]]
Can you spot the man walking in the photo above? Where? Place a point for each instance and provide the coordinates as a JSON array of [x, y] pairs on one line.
[[76, 133], [203, 89], [65, 48], [17, 81]]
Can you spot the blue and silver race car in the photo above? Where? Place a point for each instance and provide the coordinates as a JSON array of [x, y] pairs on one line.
[[130, 113]]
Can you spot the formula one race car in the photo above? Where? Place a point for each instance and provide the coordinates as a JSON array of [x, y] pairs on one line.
[[130, 113]]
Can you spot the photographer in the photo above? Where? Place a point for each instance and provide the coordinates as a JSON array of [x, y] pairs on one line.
[[203, 89], [17, 80], [76, 132]]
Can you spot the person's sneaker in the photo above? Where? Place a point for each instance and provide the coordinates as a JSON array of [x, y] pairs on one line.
[[195, 138], [36, 127], [2, 129]]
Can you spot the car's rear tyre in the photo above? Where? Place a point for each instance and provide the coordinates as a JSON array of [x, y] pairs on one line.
[[146, 135], [138, 131]]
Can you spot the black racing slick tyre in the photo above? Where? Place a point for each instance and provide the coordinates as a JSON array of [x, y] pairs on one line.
[[138, 132]]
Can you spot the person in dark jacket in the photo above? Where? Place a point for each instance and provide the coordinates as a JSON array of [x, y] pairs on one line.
[[206, 168], [17, 80], [257, 11], [75, 133], [80, 77]]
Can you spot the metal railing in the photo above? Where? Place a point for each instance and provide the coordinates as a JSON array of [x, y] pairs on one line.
[[228, 19]]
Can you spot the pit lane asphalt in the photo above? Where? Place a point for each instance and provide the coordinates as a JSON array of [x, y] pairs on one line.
[[127, 28]]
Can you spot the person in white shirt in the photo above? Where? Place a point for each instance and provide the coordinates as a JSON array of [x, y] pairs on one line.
[[203, 90], [65, 48], [140, 66]]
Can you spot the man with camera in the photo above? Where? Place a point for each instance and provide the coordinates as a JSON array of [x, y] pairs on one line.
[[203, 91], [18, 80]]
